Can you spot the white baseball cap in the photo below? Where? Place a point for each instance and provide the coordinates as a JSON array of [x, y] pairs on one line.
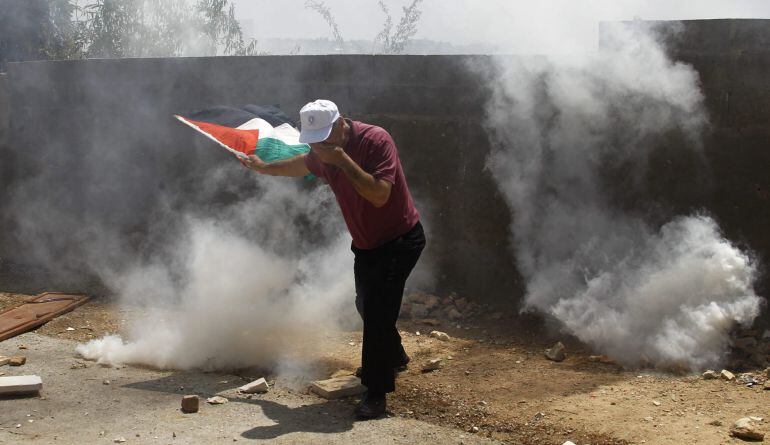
[[316, 121]]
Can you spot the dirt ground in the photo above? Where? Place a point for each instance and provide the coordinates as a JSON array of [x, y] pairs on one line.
[[494, 378]]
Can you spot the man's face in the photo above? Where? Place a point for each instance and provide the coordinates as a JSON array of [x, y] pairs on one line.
[[334, 139]]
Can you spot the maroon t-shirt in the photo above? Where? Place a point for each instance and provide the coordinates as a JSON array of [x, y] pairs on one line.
[[373, 149]]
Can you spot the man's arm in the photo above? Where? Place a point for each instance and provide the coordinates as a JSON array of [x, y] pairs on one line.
[[285, 167], [376, 191]]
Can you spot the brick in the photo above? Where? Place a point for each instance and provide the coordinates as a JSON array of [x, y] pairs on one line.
[[19, 385], [336, 388], [259, 385], [190, 404]]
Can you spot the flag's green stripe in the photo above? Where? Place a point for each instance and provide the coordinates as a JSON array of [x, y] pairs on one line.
[[272, 149]]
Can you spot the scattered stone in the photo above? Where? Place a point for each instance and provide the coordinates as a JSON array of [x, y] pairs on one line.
[[556, 353], [710, 375], [119, 439], [78, 365], [656, 403], [4, 360], [257, 386], [601, 359], [419, 310], [106, 382], [569, 442], [70, 329], [432, 302], [190, 404], [443, 336], [473, 429], [20, 385], [745, 429], [431, 365], [727, 375], [715, 423], [419, 297], [338, 387], [17, 361], [216, 400], [22, 346]]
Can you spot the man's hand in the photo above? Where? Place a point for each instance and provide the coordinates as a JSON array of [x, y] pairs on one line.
[[329, 154], [253, 162]]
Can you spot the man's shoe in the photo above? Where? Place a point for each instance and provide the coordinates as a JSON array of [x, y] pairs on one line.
[[371, 407]]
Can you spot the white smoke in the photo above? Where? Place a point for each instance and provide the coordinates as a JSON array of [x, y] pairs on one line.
[[628, 288], [240, 289]]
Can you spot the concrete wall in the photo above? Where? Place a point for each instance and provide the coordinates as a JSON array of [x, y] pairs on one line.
[[73, 111]]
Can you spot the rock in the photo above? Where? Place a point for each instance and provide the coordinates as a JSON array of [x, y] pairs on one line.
[[556, 353], [342, 373], [656, 403], [715, 423], [418, 297], [432, 302], [766, 386], [431, 365], [601, 359], [727, 375], [105, 382], [746, 429], [338, 387], [569, 442], [454, 314], [745, 343], [190, 404], [473, 429], [70, 329], [419, 310], [767, 373], [216, 400], [17, 361], [710, 375], [119, 439], [4, 360], [443, 336], [20, 385], [257, 386]]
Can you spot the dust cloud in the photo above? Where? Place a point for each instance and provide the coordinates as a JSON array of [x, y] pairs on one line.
[[644, 293]]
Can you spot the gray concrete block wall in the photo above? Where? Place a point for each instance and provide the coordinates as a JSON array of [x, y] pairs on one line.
[[432, 105]]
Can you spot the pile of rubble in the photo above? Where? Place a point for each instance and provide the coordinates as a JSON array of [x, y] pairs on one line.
[[750, 349], [421, 305]]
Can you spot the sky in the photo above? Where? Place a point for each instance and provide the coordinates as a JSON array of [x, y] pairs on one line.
[[515, 26]]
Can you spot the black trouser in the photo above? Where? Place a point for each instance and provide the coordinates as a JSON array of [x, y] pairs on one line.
[[380, 277]]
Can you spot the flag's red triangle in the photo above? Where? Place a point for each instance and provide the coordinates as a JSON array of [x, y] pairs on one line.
[[244, 141]]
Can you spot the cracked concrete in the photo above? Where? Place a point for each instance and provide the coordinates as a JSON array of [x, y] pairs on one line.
[[143, 406]]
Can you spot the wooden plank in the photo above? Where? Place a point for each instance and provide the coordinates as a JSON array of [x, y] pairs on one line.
[[36, 312], [20, 384]]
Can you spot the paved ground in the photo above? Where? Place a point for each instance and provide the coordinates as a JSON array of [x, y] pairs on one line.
[[142, 406]]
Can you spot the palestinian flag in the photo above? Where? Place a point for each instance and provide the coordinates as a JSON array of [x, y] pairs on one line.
[[254, 129]]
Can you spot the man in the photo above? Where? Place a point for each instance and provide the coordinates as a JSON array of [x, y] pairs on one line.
[[360, 163]]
